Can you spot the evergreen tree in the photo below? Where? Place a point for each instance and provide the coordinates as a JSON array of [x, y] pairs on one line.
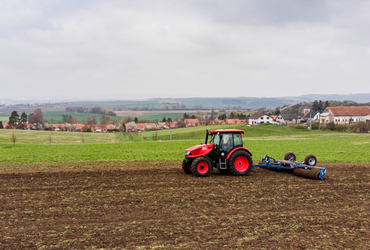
[[320, 106], [13, 119], [315, 106], [212, 114], [136, 120], [1, 125], [326, 104], [164, 119], [23, 121]]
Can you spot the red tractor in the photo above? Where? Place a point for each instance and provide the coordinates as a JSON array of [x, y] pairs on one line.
[[224, 151]]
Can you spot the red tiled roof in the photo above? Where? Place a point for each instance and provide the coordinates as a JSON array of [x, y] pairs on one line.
[[59, 125], [191, 121], [274, 117], [140, 125], [306, 107], [231, 121], [350, 111]]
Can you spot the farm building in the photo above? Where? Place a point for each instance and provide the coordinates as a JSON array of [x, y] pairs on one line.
[[345, 115]]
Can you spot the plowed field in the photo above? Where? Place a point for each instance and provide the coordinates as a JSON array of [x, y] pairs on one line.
[[143, 205]]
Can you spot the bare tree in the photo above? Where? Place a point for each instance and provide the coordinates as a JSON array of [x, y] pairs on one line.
[[37, 117], [14, 139]]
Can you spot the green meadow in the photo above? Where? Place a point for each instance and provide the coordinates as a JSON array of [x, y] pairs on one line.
[[43, 146]]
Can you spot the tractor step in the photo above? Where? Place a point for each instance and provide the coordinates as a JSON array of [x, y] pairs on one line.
[[222, 163]]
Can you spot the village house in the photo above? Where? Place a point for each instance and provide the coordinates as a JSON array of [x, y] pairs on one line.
[[191, 122], [312, 115], [260, 118], [292, 118], [233, 121], [346, 115], [278, 119]]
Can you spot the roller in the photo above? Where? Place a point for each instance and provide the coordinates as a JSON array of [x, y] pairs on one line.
[[308, 173]]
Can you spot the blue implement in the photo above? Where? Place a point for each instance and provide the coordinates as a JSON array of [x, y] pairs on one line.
[[268, 161]]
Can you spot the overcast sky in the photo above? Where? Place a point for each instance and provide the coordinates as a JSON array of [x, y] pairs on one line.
[[149, 48]]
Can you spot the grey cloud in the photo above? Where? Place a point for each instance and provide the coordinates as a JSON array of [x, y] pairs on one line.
[[139, 49]]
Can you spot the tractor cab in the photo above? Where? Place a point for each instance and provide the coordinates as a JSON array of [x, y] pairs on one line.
[[225, 142], [220, 150]]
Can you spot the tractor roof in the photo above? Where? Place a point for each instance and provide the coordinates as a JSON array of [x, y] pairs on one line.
[[227, 131]]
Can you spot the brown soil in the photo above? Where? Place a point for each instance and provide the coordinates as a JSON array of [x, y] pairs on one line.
[[143, 205]]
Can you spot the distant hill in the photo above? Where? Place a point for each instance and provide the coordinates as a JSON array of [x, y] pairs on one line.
[[268, 102], [360, 98], [190, 103]]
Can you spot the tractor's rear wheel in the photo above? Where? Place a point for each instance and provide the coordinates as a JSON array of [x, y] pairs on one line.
[[240, 163], [290, 156], [201, 167], [186, 167], [310, 160]]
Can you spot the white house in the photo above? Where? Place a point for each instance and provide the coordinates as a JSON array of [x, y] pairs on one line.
[[259, 118], [345, 115], [278, 119]]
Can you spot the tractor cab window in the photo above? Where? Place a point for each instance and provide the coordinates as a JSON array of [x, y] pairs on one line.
[[227, 142], [215, 139], [238, 140]]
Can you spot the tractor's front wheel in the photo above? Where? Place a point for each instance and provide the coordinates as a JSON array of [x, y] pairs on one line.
[[201, 167], [186, 167], [240, 163]]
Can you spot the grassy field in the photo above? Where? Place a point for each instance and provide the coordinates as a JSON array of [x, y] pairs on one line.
[[34, 146], [58, 117], [255, 131], [37, 137]]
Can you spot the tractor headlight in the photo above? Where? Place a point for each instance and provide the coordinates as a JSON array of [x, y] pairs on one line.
[[187, 153]]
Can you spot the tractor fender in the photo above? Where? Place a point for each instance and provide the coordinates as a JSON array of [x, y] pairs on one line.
[[236, 149]]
